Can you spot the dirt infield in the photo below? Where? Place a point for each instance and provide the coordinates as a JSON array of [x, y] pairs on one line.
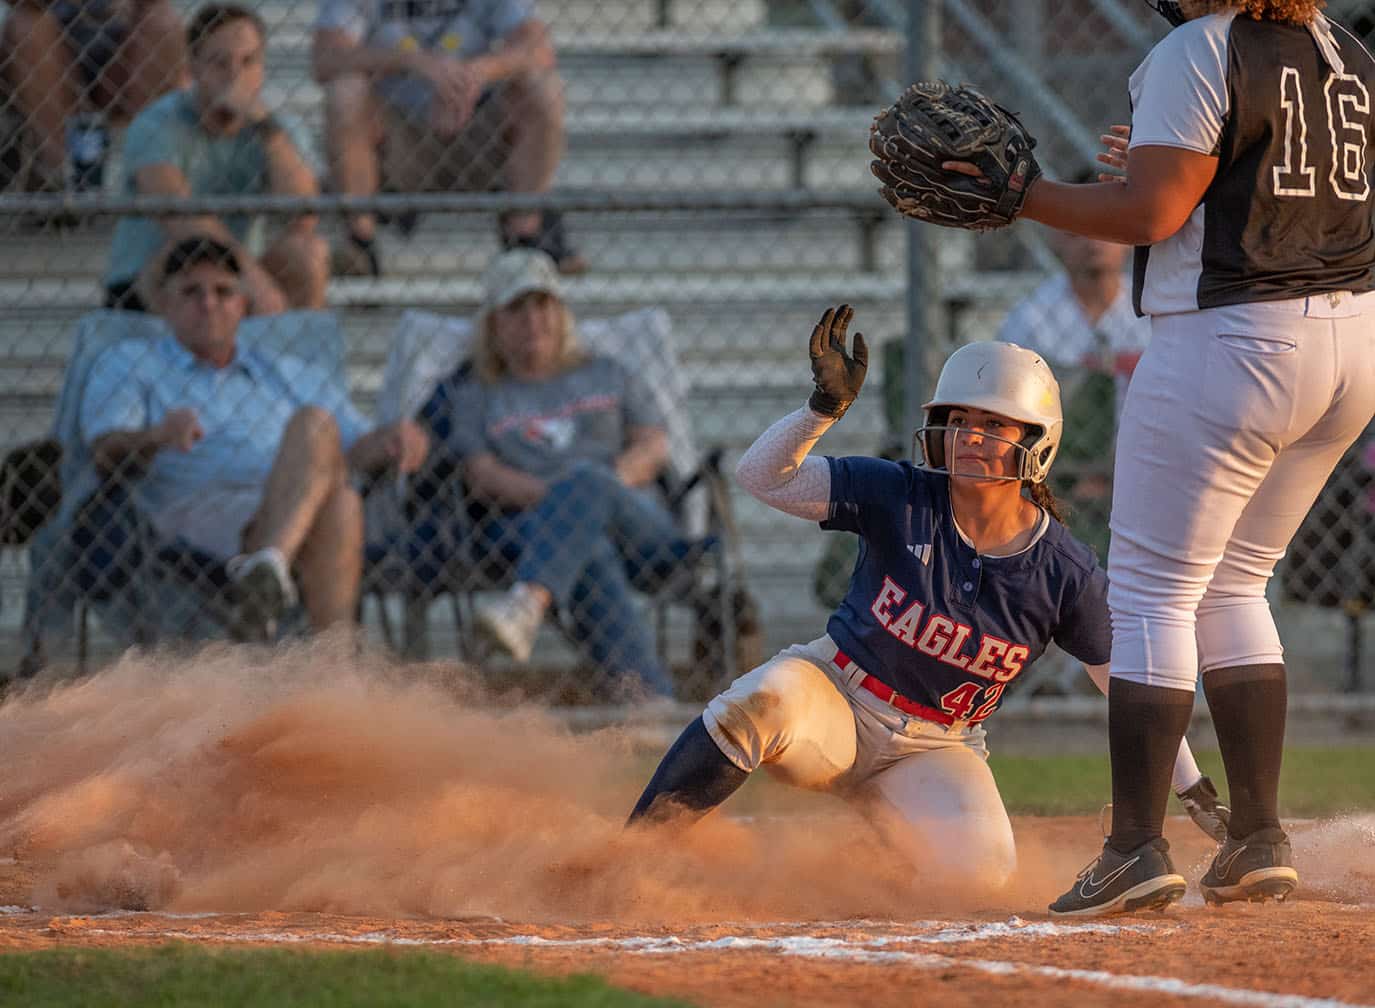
[[1304, 954], [306, 800]]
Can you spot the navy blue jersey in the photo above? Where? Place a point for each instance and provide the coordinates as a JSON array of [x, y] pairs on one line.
[[932, 618]]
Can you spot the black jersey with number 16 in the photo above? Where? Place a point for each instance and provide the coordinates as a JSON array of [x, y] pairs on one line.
[[1289, 211]]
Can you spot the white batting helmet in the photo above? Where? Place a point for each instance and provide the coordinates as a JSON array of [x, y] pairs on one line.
[[1003, 378]]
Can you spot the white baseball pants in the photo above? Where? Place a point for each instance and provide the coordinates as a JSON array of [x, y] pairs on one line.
[[927, 788], [1234, 420]]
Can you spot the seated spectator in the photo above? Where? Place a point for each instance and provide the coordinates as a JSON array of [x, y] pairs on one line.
[[243, 457], [1083, 318], [60, 56], [564, 448], [425, 97], [1082, 321], [219, 139]]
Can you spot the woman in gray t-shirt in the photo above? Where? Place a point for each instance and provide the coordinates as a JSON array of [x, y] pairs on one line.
[[561, 448]]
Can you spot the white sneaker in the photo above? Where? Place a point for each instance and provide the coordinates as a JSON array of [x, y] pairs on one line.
[[238, 567], [263, 591], [512, 622]]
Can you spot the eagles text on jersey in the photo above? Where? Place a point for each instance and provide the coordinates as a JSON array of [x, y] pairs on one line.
[[935, 620]]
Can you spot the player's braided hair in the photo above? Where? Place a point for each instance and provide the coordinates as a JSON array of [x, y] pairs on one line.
[[1287, 11], [1042, 496]]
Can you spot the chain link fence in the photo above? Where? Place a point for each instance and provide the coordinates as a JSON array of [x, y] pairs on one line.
[[697, 172]]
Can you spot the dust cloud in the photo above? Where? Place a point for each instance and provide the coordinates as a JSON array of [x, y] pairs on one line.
[[314, 780], [1336, 858]]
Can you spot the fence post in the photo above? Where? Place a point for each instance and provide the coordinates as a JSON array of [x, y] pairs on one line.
[[923, 47]]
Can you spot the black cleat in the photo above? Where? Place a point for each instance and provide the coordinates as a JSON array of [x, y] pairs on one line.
[[1206, 809], [1256, 868], [1122, 883]]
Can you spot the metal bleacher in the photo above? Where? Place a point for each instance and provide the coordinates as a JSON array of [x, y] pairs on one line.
[[661, 96]]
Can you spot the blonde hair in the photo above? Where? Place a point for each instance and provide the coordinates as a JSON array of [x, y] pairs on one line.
[[1298, 12], [487, 361]]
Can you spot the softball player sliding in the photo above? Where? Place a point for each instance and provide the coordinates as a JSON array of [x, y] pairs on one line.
[[964, 576], [1248, 189]]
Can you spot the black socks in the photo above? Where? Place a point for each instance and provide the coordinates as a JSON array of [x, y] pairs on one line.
[[693, 778], [1145, 724], [1248, 703]]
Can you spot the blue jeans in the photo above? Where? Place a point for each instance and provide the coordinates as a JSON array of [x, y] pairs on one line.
[[589, 542]]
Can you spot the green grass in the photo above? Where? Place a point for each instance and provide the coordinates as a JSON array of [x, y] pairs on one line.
[[175, 975], [1314, 782]]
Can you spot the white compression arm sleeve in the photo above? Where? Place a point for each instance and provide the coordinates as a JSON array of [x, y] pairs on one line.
[[1186, 772], [777, 470]]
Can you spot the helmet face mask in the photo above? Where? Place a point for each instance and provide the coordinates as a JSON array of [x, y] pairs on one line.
[[998, 379], [1170, 10], [929, 451]]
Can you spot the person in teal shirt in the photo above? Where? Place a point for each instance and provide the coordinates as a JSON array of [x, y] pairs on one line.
[[219, 139]]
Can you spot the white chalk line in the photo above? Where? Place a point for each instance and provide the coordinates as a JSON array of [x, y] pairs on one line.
[[862, 950], [934, 932]]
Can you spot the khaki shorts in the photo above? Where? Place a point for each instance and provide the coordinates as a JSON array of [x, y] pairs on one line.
[[213, 523], [415, 159]]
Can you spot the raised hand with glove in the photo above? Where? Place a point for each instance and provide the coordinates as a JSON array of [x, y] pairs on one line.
[[836, 373]]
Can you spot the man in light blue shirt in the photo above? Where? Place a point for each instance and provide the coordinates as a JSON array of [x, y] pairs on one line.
[[1083, 323], [243, 456], [219, 139], [1082, 320]]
